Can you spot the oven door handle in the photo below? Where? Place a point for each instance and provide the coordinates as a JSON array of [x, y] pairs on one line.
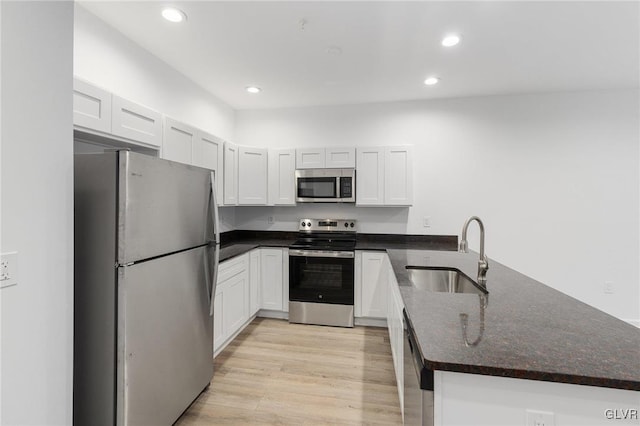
[[321, 253]]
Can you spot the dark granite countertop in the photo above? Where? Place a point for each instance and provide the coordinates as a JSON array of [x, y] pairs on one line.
[[531, 331], [237, 248], [236, 243]]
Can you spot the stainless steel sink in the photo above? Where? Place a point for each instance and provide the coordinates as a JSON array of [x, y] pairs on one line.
[[443, 280]]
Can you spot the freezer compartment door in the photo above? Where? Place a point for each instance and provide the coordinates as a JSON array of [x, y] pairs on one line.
[[164, 207], [165, 336]]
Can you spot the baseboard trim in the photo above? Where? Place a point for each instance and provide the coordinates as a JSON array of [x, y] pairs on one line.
[[233, 336], [266, 313], [370, 322]]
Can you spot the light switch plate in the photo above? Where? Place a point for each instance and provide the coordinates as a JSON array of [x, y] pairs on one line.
[[8, 269]]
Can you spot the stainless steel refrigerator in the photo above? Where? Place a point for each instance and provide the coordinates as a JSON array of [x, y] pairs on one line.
[[146, 260]]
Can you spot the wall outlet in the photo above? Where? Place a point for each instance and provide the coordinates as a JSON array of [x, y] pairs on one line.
[[540, 418], [426, 222], [8, 269], [271, 220], [608, 287]]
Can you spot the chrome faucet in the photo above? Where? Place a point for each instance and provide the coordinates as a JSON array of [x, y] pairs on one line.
[[483, 264]]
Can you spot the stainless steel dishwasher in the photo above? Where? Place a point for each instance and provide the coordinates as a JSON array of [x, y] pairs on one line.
[[418, 382]]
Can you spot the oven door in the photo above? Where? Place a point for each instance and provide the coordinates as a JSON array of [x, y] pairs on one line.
[[321, 276]]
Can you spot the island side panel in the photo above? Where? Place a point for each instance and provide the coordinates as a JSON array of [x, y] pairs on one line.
[[471, 399]]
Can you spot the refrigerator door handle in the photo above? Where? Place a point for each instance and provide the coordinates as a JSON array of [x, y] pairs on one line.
[[207, 277], [216, 221], [214, 280]]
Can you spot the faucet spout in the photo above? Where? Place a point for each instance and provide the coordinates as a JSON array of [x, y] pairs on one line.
[[483, 263]]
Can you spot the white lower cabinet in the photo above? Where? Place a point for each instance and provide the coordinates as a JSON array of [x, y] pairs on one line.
[[231, 302], [371, 284], [254, 282], [247, 283], [395, 324], [272, 267]]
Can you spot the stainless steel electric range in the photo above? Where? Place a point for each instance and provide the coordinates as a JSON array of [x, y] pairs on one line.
[[321, 272]]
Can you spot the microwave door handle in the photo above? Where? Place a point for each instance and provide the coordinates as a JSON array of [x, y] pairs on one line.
[[338, 187]]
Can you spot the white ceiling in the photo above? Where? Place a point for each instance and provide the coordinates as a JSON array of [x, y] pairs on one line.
[[388, 48]]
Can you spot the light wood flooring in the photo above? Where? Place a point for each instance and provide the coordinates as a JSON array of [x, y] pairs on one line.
[[278, 373]]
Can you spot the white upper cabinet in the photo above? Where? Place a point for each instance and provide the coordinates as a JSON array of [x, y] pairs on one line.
[[370, 177], [133, 121], [310, 158], [340, 158], [282, 167], [230, 173], [398, 176], [208, 152], [252, 176], [179, 140], [91, 107], [330, 158], [384, 176]]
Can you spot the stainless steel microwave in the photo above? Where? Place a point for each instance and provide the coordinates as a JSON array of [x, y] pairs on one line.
[[326, 186]]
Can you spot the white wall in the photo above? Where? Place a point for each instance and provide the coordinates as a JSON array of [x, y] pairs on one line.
[[37, 212], [104, 57], [553, 176]]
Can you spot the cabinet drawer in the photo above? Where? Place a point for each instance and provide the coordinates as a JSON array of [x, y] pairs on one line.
[[232, 267]]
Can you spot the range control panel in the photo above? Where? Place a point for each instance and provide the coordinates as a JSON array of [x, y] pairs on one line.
[[327, 225]]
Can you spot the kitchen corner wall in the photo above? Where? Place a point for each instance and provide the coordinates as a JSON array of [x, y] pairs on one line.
[[106, 58], [555, 177], [37, 212]]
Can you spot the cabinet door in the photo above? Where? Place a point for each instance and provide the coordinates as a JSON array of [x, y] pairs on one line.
[[310, 158], [91, 107], [282, 168], [218, 328], [272, 279], [398, 176], [252, 176], [374, 285], [208, 152], [370, 176], [236, 308], [136, 122], [340, 158], [254, 282], [178, 141], [230, 174]]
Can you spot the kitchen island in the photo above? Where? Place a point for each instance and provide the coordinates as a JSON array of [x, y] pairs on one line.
[[527, 330]]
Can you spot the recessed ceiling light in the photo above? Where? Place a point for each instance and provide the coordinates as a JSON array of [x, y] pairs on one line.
[[431, 81], [451, 40], [253, 89], [172, 14]]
